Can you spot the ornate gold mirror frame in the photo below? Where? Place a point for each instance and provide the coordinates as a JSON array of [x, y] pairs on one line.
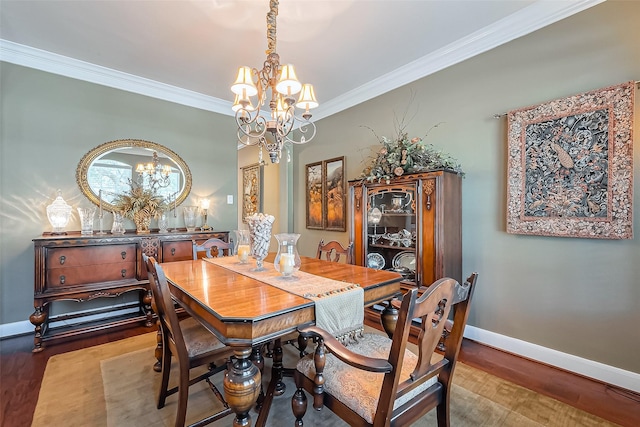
[[141, 152]]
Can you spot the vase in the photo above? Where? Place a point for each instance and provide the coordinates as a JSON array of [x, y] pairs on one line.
[[142, 221], [118, 224], [86, 220], [163, 222], [190, 217], [287, 259], [242, 247], [260, 235]]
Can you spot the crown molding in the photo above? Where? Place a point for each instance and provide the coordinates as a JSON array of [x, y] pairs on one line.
[[38, 59], [525, 21], [533, 17]]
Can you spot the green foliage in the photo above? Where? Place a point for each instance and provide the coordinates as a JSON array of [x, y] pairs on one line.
[[402, 155]]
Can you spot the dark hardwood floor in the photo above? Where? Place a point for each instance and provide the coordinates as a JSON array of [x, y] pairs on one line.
[[21, 373]]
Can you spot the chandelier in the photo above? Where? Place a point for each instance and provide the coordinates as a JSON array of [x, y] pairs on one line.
[[275, 130], [153, 175]]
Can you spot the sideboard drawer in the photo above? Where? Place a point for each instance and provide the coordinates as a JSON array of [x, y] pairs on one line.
[[177, 251], [90, 255], [82, 275]]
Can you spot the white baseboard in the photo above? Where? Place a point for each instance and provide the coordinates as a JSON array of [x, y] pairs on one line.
[[16, 328], [588, 368]]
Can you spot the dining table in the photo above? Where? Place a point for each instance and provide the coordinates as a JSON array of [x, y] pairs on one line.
[[245, 312]]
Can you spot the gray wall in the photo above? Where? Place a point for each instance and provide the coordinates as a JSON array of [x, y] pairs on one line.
[[49, 122], [577, 296]]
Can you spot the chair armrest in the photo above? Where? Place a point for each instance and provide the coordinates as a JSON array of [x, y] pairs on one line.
[[338, 349]]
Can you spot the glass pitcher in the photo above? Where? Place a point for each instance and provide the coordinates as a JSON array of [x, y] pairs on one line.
[[287, 260], [242, 246]]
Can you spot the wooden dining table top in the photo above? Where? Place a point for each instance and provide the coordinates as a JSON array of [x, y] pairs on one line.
[[243, 311]]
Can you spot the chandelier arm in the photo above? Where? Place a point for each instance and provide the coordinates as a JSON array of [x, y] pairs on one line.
[[305, 126], [250, 131]]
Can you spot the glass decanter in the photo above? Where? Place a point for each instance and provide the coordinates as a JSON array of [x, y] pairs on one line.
[[287, 259]]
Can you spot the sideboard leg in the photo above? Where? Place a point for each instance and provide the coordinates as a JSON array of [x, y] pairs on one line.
[[38, 318]]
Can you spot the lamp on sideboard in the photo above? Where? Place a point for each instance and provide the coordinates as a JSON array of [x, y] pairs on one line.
[[59, 213], [204, 204]]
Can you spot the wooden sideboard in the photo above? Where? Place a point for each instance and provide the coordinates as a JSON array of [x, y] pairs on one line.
[[80, 268]]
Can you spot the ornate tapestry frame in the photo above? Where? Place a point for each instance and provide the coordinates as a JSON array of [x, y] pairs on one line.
[[251, 190], [570, 166]]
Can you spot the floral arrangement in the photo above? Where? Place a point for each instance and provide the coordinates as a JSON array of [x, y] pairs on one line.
[[140, 205], [403, 155]]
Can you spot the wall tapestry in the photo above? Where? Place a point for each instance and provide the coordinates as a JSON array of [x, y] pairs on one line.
[[325, 192], [251, 194], [570, 166]]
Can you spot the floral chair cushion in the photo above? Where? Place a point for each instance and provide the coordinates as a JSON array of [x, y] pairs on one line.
[[359, 389]]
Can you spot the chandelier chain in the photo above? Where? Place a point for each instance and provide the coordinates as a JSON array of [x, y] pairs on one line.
[[271, 27]]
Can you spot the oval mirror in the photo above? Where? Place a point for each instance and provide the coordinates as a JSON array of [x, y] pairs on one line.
[[112, 167]]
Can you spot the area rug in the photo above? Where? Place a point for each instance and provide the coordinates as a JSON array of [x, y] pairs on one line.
[[114, 385]]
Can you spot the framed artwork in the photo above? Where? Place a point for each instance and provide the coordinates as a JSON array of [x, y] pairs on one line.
[[251, 191], [334, 189], [315, 201], [570, 166]]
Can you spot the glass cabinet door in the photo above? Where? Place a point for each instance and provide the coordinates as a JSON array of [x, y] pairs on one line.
[[391, 229]]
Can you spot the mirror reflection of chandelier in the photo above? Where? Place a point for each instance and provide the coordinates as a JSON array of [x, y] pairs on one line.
[[283, 84], [153, 175]]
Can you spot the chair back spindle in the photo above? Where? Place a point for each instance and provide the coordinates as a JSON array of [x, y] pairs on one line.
[[204, 249], [333, 251]]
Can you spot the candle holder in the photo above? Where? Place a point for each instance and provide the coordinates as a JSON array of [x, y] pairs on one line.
[[287, 259], [100, 216], [175, 215], [243, 246]]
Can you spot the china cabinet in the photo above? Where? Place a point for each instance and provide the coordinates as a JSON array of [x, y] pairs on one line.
[[76, 267], [411, 224]]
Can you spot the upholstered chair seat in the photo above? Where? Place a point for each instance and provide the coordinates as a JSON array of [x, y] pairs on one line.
[[198, 340], [359, 389]]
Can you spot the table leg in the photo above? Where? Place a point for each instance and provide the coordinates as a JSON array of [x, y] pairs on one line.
[[242, 386]]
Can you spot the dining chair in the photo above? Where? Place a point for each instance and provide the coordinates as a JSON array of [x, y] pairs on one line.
[[206, 247], [191, 344], [333, 250], [378, 381]]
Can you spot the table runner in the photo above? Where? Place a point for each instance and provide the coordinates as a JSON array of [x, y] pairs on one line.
[[339, 306]]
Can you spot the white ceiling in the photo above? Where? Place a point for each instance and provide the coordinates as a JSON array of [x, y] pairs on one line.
[[188, 51]]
